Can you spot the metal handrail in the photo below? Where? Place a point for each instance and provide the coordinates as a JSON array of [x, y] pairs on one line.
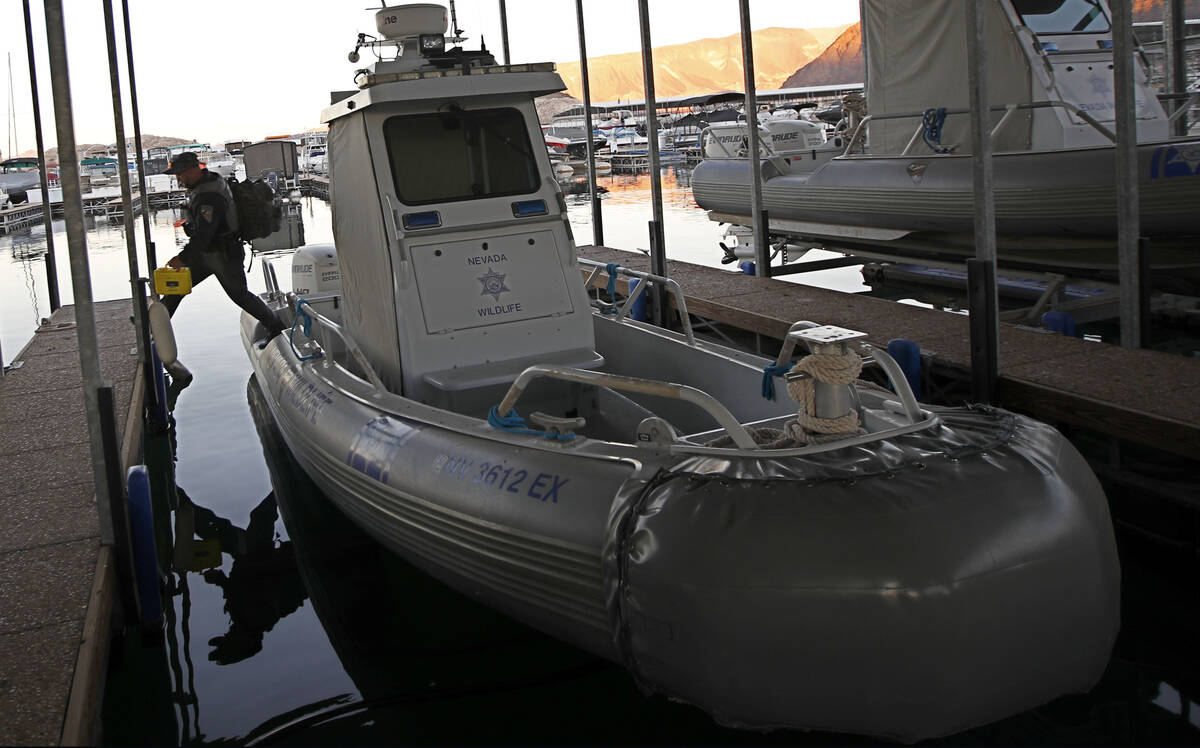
[[1007, 108], [710, 404], [351, 345], [672, 287]]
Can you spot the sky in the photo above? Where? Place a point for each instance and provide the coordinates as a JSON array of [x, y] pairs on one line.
[[221, 70]]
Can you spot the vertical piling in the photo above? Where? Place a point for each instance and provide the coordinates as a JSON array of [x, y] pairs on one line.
[[658, 252], [762, 255], [151, 259], [137, 293], [85, 318], [983, 299], [1174, 31], [47, 211], [503, 31], [597, 218], [1128, 219]]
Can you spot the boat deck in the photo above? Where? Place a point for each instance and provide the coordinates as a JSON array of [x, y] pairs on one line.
[[56, 580], [1140, 396]]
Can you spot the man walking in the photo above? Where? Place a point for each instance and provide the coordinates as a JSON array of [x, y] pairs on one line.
[[213, 248]]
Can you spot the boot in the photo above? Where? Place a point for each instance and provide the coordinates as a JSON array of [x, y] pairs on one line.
[[180, 379]]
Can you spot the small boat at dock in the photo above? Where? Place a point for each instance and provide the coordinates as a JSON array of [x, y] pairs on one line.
[[903, 182], [773, 540]]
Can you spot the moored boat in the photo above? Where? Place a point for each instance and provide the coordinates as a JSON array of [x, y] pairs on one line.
[[844, 560], [1053, 117]]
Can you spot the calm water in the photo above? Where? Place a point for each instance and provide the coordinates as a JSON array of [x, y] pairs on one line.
[[286, 624]]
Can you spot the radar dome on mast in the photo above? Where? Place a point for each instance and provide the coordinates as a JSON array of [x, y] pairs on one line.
[[399, 22]]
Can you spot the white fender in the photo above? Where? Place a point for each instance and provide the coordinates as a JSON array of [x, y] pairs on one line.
[[163, 333]]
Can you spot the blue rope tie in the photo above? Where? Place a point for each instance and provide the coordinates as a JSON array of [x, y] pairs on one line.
[[515, 424], [932, 122], [611, 288], [302, 317], [770, 371]]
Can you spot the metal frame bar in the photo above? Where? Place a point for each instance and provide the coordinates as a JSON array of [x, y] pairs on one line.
[[597, 216], [762, 261], [1087, 118], [47, 210], [1129, 267], [672, 288], [658, 252], [710, 404]]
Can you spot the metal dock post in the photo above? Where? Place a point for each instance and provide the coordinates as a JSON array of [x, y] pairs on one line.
[[597, 217], [136, 288], [151, 259], [503, 31], [762, 256], [47, 210], [981, 271], [658, 250], [1128, 219]]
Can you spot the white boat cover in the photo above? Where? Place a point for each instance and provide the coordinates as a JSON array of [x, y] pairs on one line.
[[916, 59], [363, 254]]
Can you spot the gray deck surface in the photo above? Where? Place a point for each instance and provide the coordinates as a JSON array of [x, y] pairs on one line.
[[1144, 396], [51, 538]]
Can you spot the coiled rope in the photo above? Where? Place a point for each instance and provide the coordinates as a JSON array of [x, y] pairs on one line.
[[829, 368], [931, 129]]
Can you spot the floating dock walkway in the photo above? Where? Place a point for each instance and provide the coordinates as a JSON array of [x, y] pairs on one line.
[[57, 583], [1140, 396]]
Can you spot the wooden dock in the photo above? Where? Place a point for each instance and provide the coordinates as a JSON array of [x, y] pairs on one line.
[[1139, 396], [57, 582], [29, 214]]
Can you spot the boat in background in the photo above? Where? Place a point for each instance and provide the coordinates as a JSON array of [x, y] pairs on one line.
[[842, 559], [909, 192]]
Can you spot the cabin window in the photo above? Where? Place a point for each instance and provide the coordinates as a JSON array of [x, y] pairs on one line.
[[460, 155], [1062, 16]]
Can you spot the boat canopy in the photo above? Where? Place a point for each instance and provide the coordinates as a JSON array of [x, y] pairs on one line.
[[97, 161], [19, 162], [914, 51]]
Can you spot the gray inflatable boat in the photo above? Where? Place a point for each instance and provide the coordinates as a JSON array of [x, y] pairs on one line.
[[841, 559]]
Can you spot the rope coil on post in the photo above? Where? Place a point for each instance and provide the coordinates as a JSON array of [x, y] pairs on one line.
[[837, 369]]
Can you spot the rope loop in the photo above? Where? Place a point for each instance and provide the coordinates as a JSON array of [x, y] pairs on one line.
[[515, 424], [770, 371], [931, 129], [611, 288]]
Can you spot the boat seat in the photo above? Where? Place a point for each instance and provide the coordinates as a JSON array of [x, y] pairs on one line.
[[493, 373]]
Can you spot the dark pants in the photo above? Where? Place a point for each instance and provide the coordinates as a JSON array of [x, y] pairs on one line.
[[227, 266]]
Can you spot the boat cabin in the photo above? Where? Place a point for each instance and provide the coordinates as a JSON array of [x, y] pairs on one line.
[[457, 262]]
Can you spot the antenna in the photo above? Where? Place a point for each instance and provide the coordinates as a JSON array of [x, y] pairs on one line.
[[454, 20]]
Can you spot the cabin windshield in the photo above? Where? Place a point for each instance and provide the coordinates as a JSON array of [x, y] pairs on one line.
[[1062, 16], [460, 155]]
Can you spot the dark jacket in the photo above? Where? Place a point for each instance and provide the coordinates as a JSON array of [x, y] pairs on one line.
[[211, 219]]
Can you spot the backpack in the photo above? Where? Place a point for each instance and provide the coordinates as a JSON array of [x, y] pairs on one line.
[[259, 213]]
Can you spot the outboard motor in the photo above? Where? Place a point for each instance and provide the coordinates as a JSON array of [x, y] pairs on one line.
[[315, 269]]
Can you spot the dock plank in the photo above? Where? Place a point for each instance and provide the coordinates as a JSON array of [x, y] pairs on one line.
[[1144, 396], [51, 550]]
